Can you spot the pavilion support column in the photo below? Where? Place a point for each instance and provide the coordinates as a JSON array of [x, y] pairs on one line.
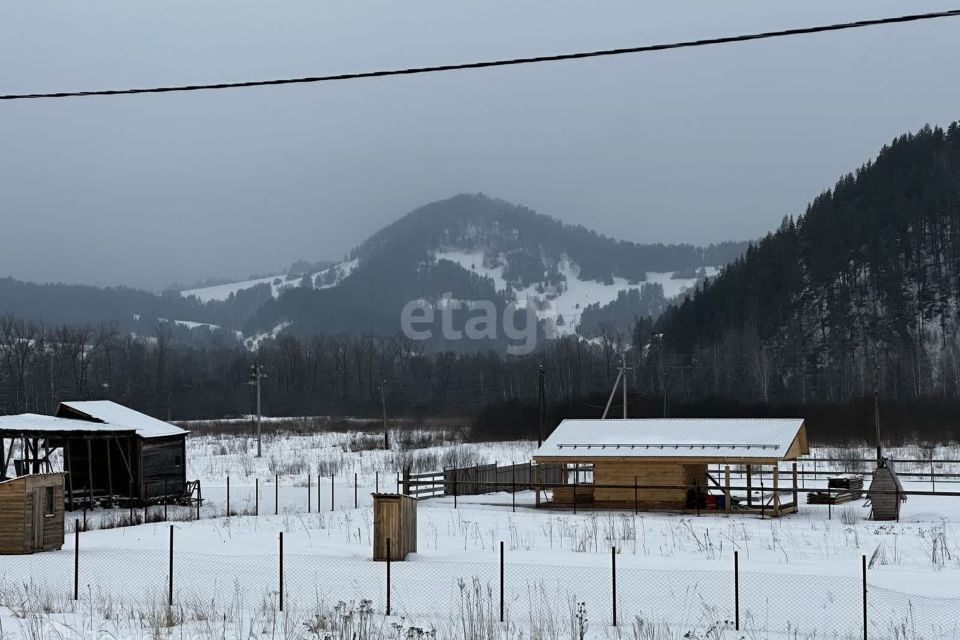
[[776, 493], [109, 475], [795, 493], [727, 506], [749, 486], [36, 455], [66, 466], [536, 488], [90, 472]]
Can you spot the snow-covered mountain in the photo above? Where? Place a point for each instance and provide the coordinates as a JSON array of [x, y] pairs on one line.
[[472, 248]]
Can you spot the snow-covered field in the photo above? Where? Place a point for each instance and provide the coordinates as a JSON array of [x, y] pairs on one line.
[[800, 576]]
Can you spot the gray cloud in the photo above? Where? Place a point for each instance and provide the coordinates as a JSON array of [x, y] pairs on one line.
[[695, 145]]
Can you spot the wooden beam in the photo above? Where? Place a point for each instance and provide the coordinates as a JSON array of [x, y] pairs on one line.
[[90, 472], [749, 486], [727, 506], [776, 493], [795, 501], [109, 477], [67, 467]]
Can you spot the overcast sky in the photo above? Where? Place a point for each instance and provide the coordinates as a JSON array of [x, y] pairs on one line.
[[695, 145]]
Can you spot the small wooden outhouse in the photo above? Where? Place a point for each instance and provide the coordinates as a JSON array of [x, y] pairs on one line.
[[885, 492], [31, 513], [394, 519]]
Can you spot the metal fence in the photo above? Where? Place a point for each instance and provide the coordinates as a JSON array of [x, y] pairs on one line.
[[501, 588]]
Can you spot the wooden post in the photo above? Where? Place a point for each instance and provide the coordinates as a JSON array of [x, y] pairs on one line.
[[170, 583], [536, 474], [318, 493], [636, 497], [776, 491], [376, 481], [228, 496], [276, 494], [199, 498], [727, 503], [109, 476], [513, 487], [576, 472], [66, 464], [76, 558], [333, 504], [309, 498], [389, 554], [613, 571], [256, 496], [90, 472], [736, 590], [165, 500], [796, 504], [356, 495], [501, 581], [281, 571], [750, 486]]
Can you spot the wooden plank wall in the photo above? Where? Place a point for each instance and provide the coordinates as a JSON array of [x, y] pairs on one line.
[[159, 464], [646, 473], [394, 517], [16, 513]]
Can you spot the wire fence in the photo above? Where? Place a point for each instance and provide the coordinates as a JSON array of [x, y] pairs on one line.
[[499, 588]]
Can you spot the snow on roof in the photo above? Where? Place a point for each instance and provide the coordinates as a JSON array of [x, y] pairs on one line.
[[34, 422], [122, 417], [672, 438]]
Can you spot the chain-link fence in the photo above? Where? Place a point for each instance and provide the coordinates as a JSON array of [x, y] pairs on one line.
[[523, 590]]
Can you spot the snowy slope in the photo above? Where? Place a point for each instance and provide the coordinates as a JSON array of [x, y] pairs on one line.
[[569, 303], [278, 283]]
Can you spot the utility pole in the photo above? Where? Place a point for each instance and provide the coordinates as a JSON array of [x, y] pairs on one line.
[[623, 374], [256, 374], [383, 406], [541, 410]]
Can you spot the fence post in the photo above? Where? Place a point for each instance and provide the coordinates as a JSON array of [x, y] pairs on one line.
[[199, 498], [228, 496], [276, 495], [309, 498], [356, 497], [501, 581], [576, 472], [256, 496], [613, 572], [863, 563], [636, 501], [736, 590], [281, 571], [389, 553], [318, 493], [333, 503], [455, 487], [166, 499], [76, 558], [376, 481], [513, 487], [170, 577], [145, 508]]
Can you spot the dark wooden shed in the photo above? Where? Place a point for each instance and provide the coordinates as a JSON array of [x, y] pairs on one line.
[[111, 453], [885, 492], [31, 513]]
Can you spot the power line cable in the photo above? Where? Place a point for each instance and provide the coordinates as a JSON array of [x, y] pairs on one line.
[[685, 44]]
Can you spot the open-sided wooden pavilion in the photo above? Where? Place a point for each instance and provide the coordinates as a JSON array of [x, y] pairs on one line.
[[111, 453], [662, 464]]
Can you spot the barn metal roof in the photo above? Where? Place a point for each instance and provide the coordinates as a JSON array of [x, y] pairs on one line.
[[117, 415], [713, 438], [40, 425]]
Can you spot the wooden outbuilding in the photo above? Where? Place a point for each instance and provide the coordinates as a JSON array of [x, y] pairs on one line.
[[394, 518], [885, 492], [111, 453], [662, 464], [31, 513]]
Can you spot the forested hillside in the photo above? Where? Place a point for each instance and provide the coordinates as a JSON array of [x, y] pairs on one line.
[[865, 284]]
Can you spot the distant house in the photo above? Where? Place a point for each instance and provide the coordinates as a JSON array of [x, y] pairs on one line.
[[31, 513], [664, 463], [111, 453]]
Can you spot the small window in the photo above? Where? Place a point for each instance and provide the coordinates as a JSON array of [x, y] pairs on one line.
[[48, 501]]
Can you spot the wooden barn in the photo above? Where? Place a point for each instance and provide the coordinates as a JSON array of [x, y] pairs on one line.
[[31, 513], [662, 464], [885, 492], [111, 453]]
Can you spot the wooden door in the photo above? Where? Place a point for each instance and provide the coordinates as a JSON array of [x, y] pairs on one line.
[[38, 511]]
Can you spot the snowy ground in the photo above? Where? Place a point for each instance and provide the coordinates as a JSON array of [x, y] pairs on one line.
[[800, 576]]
